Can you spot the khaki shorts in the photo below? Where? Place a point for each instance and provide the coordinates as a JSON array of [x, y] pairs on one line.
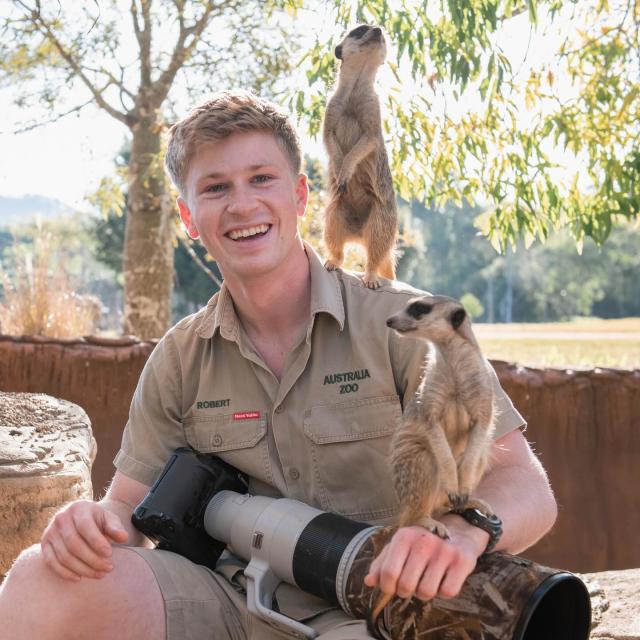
[[201, 604]]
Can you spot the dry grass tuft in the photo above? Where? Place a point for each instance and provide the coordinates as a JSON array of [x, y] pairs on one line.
[[38, 298]]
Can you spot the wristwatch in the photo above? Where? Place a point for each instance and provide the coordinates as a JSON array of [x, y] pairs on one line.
[[491, 524]]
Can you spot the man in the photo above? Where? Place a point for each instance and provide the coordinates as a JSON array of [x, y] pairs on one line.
[[291, 375]]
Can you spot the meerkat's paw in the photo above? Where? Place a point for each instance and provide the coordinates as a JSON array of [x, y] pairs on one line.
[[434, 526], [371, 281], [481, 505], [458, 501], [331, 265]]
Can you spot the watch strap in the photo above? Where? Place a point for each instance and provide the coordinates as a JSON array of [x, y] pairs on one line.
[[489, 523]]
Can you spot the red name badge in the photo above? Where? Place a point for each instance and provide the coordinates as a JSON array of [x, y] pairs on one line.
[[246, 415]]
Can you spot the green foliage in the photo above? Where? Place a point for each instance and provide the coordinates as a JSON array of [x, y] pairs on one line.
[[472, 305], [474, 125], [547, 282]]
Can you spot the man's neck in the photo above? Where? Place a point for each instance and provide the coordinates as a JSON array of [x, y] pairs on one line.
[[274, 310]]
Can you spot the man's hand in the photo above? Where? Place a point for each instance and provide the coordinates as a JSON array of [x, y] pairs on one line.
[[77, 542], [418, 562]]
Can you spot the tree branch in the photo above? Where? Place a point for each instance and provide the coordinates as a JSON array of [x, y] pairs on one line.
[[40, 24], [113, 80], [36, 125], [145, 45], [182, 52], [196, 258]]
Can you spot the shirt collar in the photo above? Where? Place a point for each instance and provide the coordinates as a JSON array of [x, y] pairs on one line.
[[325, 298]]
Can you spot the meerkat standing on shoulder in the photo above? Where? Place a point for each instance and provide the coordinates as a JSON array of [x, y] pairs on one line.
[[363, 204], [441, 449]]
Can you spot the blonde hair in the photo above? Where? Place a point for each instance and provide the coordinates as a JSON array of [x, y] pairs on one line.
[[226, 113]]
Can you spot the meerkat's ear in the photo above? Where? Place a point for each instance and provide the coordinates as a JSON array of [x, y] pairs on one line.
[[457, 318], [338, 52]]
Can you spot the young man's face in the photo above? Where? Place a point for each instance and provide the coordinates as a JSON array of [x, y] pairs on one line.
[[243, 200]]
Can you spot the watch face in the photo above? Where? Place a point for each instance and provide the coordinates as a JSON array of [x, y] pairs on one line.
[[494, 520]]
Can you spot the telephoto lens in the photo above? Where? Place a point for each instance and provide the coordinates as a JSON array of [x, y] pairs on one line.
[[301, 545], [505, 598]]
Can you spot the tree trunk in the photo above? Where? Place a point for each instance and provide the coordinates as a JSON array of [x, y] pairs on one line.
[[148, 249]]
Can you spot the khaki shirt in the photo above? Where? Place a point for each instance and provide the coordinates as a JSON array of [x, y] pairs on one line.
[[320, 435]]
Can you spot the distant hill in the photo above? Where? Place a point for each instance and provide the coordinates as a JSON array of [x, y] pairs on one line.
[[27, 208]]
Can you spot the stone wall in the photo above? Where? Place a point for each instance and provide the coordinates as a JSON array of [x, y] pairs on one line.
[[46, 451], [585, 425]]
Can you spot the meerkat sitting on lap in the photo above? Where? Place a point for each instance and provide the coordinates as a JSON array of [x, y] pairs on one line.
[[441, 449], [363, 205]]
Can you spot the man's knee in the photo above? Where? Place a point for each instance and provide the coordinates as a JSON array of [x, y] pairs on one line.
[[117, 598], [26, 569]]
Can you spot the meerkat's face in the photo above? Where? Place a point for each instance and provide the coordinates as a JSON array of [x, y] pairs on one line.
[[433, 318], [363, 42]]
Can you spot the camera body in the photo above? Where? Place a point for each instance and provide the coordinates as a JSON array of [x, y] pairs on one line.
[[172, 513]]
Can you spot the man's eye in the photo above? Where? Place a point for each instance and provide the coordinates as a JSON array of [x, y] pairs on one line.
[[262, 178], [214, 188]]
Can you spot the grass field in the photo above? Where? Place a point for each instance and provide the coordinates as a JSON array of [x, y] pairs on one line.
[[582, 343]]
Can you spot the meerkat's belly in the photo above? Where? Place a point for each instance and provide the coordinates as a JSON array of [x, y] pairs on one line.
[[347, 132], [356, 205], [456, 427]]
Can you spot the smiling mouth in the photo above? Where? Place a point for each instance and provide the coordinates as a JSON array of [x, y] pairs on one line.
[[252, 232]]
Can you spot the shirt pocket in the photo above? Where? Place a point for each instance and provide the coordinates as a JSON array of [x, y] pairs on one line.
[[350, 456], [241, 443]]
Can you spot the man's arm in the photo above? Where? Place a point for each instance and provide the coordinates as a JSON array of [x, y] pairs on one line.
[[77, 541], [516, 486], [123, 496]]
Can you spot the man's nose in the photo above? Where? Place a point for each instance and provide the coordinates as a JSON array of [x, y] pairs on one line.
[[242, 201]]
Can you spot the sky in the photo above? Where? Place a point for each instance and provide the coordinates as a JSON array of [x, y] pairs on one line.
[[66, 159]]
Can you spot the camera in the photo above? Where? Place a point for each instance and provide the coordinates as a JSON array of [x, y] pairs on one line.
[[199, 506]]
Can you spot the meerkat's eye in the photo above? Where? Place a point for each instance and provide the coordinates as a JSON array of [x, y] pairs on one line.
[[418, 309], [358, 32], [457, 317]]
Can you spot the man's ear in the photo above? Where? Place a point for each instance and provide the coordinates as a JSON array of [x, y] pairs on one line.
[[185, 216], [302, 194]]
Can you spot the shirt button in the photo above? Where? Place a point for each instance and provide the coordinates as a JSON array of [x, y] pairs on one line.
[[217, 440], [279, 409], [294, 474]]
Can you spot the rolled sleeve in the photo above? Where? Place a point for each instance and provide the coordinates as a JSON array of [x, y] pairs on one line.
[[507, 417], [154, 428]]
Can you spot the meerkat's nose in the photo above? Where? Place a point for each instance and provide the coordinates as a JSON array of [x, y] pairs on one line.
[[377, 31], [389, 322]]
